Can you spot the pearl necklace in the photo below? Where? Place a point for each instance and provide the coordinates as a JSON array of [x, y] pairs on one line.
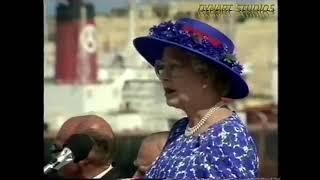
[[189, 131]]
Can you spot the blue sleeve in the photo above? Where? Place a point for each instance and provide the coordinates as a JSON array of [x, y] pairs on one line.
[[231, 153]]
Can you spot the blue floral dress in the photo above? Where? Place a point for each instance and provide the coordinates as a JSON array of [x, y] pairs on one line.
[[225, 151]]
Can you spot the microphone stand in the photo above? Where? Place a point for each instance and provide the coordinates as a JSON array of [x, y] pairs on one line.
[[64, 158]]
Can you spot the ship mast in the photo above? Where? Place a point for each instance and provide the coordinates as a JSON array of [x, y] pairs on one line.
[[83, 65]]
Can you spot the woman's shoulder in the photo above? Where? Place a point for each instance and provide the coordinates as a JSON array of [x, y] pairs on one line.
[[232, 124], [232, 139], [230, 132]]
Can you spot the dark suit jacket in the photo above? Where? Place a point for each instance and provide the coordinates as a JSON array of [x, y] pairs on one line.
[[111, 175]]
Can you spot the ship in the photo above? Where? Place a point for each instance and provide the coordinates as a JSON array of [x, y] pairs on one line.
[[124, 90]]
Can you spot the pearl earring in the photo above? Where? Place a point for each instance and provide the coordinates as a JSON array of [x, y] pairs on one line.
[[204, 86]]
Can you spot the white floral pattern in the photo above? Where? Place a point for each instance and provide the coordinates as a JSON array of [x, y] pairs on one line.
[[226, 150]]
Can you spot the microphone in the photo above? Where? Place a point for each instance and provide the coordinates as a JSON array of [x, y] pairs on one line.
[[75, 149]]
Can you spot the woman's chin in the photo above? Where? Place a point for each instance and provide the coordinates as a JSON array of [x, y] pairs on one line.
[[174, 102]]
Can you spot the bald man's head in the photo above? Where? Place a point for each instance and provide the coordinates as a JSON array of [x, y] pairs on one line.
[[99, 130], [96, 124], [67, 129], [84, 124], [150, 149]]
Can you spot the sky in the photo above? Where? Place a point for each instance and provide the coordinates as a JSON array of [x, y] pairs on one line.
[[101, 6]]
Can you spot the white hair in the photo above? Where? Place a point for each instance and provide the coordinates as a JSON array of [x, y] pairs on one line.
[[220, 80]]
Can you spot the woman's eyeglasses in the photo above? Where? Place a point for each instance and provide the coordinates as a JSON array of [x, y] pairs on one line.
[[164, 70]]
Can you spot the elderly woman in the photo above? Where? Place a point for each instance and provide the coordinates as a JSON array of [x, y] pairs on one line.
[[198, 68]]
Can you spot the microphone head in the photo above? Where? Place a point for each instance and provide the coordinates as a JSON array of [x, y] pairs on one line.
[[80, 146]]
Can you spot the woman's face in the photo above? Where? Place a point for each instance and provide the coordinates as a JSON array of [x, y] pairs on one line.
[[180, 82]]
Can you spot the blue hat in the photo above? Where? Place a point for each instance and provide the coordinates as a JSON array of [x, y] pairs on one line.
[[197, 38]]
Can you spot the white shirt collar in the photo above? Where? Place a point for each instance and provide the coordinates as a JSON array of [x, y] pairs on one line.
[[103, 173]]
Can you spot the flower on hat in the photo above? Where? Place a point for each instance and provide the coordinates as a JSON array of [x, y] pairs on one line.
[[230, 58], [196, 40]]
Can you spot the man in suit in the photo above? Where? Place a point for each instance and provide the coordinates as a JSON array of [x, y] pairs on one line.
[[98, 164], [150, 149]]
